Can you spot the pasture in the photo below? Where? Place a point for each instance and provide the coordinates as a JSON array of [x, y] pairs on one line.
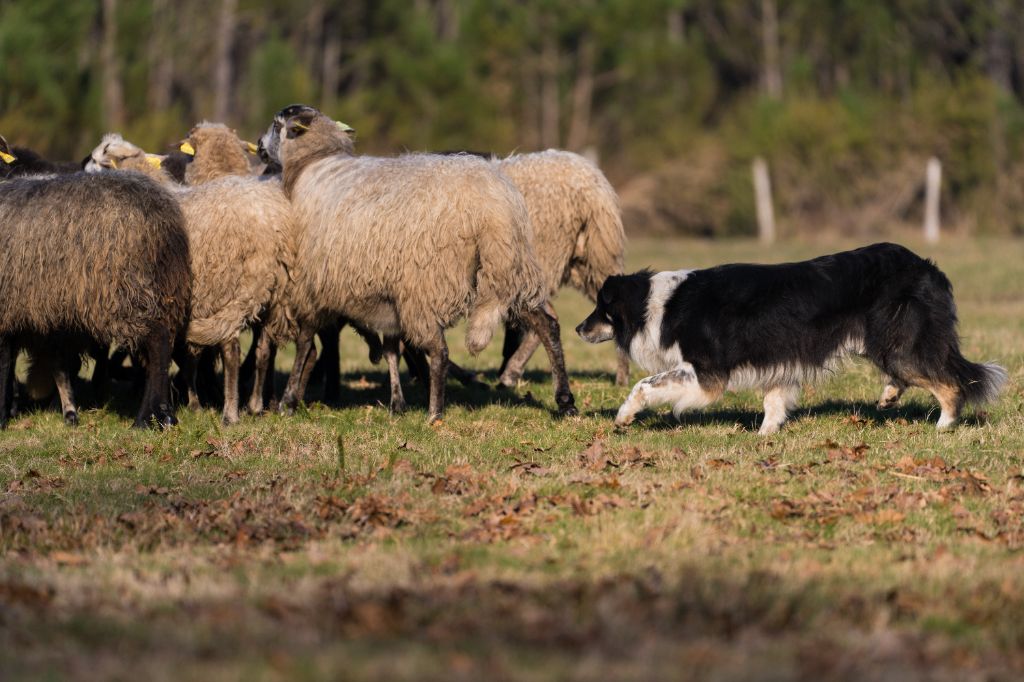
[[343, 543]]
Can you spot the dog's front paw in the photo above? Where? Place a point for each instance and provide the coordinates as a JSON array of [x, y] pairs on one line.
[[623, 420]]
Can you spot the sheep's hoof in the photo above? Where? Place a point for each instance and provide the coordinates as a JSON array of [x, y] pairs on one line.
[[569, 411], [888, 403], [255, 410], [229, 420], [71, 418]]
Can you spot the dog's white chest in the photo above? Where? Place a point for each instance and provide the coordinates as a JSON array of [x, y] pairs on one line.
[[645, 349]]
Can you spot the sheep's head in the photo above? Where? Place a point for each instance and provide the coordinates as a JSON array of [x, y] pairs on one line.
[[300, 131], [217, 151], [116, 153]]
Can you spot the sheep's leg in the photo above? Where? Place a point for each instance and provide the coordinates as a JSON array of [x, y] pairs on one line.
[[191, 370], [261, 354], [513, 340], [270, 397], [391, 354], [155, 401], [305, 356], [248, 368], [373, 343], [231, 352], [6, 381], [622, 369], [330, 361], [544, 323], [62, 378], [516, 364], [416, 360], [100, 372], [438, 377]]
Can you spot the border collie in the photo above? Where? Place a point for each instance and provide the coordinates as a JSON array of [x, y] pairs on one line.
[[775, 327]]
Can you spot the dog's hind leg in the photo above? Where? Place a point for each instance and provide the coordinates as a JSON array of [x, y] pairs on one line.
[[678, 387], [778, 401]]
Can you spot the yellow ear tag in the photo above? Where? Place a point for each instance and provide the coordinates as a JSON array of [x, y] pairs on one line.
[[113, 163], [187, 148], [300, 126], [251, 147], [154, 160], [345, 128], [8, 158]]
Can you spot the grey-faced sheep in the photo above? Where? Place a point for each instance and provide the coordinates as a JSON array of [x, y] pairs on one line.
[[239, 229], [405, 246], [93, 257]]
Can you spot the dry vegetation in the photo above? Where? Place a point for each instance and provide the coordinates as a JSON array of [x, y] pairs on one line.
[[507, 544]]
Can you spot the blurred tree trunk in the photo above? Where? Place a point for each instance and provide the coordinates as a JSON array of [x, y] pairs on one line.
[[311, 39], [113, 91], [448, 20], [330, 65], [676, 23], [771, 73], [999, 56], [549, 100], [582, 94], [222, 68], [161, 60]]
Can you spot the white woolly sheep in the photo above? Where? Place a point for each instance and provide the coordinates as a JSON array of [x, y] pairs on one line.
[[405, 246]]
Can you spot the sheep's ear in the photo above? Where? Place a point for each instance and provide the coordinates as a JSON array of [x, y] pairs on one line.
[[5, 151], [299, 124], [345, 128]]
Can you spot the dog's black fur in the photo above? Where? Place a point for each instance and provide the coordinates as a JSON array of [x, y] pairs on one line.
[[782, 324]]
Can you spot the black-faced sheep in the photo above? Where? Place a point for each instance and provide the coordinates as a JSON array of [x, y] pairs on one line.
[[406, 246], [239, 229], [93, 257]]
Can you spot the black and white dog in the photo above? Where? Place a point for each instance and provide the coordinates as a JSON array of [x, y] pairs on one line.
[[702, 332]]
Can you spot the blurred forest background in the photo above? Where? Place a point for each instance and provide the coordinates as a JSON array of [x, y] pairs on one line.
[[845, 99]]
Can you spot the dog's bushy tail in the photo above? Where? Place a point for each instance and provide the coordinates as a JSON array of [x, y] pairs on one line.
[[978, 382]]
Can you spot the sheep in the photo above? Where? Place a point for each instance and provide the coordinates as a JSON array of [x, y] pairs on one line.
[[577, 235], [239, 227], [119, 249], [405, 246], [21, 162]]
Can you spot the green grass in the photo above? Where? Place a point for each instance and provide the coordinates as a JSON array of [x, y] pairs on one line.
[[501, 544]]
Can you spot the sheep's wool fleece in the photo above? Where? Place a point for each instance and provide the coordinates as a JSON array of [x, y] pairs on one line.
[[411, 244], [577, 226], [101, 254], [240, 230]]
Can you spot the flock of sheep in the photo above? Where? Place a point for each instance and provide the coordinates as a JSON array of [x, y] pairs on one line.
[[167, 256]]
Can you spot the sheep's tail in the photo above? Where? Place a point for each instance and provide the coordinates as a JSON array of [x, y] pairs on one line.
[[978, 382], [601, 245], [39, 382], [509, 280]]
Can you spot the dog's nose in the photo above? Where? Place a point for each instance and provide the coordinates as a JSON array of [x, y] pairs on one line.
[[579, 328]]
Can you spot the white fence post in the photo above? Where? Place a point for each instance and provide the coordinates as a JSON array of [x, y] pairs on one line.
[[763, 199], [932, 194]]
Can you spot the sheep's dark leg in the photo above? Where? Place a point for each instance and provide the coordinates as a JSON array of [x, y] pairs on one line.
[[391, 354], [373, 343], [270, 397], [156, 408], [513, 340], [305, 356], [622, 369], [330, 361], [100, 372], [231, 353], [261, 353], [247, 370], [62, 378], [416, 361], [6, 381], [208, 385], [516, 365], [543, 322], [191, 370], [438, 377]]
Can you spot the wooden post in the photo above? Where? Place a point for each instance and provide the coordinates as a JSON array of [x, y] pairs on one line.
[[933, 185], [763, 199]]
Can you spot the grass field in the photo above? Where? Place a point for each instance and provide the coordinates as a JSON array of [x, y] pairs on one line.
[[342, 543]]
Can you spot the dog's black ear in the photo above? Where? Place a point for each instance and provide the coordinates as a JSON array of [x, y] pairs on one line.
[[611, 290]]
